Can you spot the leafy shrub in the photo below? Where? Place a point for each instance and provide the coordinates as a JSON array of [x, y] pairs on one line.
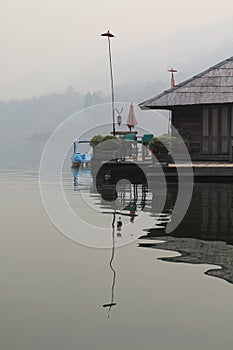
[[96, 140], [157, 146], [163, 144], [105, 143]]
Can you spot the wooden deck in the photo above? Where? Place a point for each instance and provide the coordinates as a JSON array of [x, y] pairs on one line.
[[200, 171], [196, 164]]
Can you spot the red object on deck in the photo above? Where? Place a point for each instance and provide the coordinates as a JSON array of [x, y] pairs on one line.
[[131, 121]]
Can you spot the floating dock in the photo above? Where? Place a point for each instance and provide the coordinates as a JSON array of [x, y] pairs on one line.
[[201, 171]]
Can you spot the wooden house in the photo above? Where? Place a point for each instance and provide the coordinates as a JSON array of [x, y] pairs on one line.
[[202, 111]]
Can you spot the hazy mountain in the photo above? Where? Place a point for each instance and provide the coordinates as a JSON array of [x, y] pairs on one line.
[[35, 118], [190, 50], [139, 73]]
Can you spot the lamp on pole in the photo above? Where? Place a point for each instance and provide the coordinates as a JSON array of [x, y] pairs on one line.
[[109, 35]]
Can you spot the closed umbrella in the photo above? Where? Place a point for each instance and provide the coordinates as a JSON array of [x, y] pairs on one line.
[[131, 121]]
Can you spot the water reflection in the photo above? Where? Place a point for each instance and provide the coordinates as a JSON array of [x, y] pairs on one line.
[[112, 302], [122, 200], [80, 176], [131, 199], [205, 236], [127, 194]]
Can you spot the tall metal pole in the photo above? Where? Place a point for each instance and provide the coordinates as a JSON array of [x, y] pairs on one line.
[[109, 35]]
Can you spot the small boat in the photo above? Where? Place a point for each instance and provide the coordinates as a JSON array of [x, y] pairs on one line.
[[82, 153]]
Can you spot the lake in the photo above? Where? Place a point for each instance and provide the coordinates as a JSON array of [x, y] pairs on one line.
[[171, 290]]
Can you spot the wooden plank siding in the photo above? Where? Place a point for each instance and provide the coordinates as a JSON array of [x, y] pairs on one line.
[[218, 131], [209, 128], [188, 123]]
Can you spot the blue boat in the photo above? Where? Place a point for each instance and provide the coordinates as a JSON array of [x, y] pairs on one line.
[[82, 154]]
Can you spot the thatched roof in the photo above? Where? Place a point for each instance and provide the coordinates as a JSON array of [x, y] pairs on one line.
[[212, 86]]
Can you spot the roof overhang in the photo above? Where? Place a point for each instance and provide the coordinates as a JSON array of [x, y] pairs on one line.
[[213, 86]]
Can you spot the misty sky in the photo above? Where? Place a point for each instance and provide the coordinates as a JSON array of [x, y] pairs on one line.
[[45, 43]]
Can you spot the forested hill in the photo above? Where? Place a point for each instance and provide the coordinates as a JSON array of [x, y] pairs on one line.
[[38, 116]]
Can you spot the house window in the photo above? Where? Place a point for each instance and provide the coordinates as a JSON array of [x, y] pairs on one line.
[[217, 129]]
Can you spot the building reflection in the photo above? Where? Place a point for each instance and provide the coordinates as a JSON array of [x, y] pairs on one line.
[[130, 199], [205, 235]]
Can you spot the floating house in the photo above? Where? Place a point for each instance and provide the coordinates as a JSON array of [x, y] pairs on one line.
[[202, 111]]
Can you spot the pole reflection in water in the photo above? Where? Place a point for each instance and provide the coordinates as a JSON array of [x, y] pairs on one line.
[[122, 200], [126, 194], [112, 303]]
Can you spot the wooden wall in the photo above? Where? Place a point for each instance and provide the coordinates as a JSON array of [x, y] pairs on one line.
[[207, 140], [187, 121]]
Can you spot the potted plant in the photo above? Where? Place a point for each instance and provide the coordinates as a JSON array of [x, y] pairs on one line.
[[105, 147], [158, 149], [96, 140]]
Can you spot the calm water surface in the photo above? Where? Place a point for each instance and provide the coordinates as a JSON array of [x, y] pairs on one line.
[[53, 290]]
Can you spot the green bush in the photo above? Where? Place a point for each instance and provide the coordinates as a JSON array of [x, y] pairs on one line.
[[105, 143], [157, 146], [171, 142], [110, 143], [163, 144], [96, 140]]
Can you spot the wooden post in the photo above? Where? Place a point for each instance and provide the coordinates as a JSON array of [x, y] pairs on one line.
[[231, 152]]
